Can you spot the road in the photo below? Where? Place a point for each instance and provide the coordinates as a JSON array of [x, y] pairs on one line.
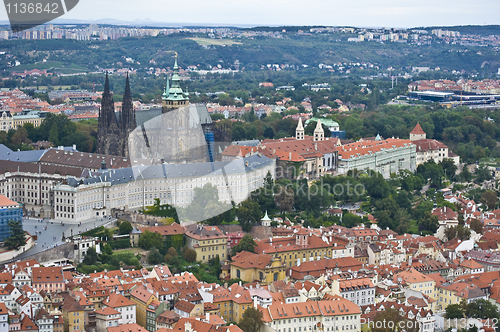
[[52, 236]]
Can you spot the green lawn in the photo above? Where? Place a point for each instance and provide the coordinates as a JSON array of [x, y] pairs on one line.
[[129, 250], [413, 229]]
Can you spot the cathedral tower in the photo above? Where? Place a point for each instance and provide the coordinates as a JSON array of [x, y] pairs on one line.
[[112, 135], [173, 96]]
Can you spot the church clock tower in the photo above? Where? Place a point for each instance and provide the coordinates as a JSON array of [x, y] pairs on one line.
[[173, 96]]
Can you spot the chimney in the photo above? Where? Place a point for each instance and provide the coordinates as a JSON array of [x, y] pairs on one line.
[[290, 156], [255, 302], [207, 317]]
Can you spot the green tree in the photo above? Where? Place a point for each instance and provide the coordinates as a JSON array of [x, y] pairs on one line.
[[454, 311], [381, 322], [20, 137], [125, 227], [190, 255], [460, 232], [284, 198], [465, 175], [16, 235], [149, 240], [54, 135], [429, 223], [477, 226], [154, 257], [247, 243], [350, 220], [251, 320], [248, 214], [482, 174], [264, 196], [489, 198], [482, 309], [449, 168], [90, 257]]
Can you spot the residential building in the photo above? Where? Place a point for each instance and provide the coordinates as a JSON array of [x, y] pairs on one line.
[[360, 291], [249, 267], [44, 321], [48, 278], [73, 315], [27, 325], [107, 317], [456, 292], [153, 311], [207, 241], [142, 297], [301, 247], [338, 314], [124, 306], [416, 281], [4, 318]]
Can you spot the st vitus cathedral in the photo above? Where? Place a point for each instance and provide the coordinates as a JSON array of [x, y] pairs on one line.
[[186, 135], [112, 134]]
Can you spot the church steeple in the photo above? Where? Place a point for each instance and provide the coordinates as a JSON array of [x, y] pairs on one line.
[[107, 111], [127, 119], [299, 131], [319, 133], [174, 97]]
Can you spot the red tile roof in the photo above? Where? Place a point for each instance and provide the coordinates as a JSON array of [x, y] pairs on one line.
[[417, 130]]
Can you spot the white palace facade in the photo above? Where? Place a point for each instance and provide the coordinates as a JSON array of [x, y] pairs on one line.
[[133, 188]]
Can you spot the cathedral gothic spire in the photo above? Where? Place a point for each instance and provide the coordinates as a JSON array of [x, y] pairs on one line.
[[127, 119], [112, 135]]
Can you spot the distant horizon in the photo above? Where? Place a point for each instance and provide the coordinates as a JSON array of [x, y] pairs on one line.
[[257, 13], [150, 23]]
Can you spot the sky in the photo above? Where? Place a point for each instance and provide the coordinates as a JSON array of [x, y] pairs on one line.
[[359, 13]]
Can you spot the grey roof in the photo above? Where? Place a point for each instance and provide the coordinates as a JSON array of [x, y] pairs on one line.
[[22, 156], [129, 174]]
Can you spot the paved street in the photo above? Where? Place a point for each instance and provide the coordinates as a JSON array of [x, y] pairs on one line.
[[52, 236]]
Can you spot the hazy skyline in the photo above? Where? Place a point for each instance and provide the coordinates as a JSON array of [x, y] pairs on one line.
[[361, 13]]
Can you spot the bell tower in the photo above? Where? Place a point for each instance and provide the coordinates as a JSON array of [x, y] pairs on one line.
[[319, 133], [299, 131]]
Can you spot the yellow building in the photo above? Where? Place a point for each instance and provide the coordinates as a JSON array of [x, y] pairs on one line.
[[73, 315], [264, 268], [455, 293], [419, 282], [8, 121], [207, 241], [142, 297], [301, 247], [233, 301]]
